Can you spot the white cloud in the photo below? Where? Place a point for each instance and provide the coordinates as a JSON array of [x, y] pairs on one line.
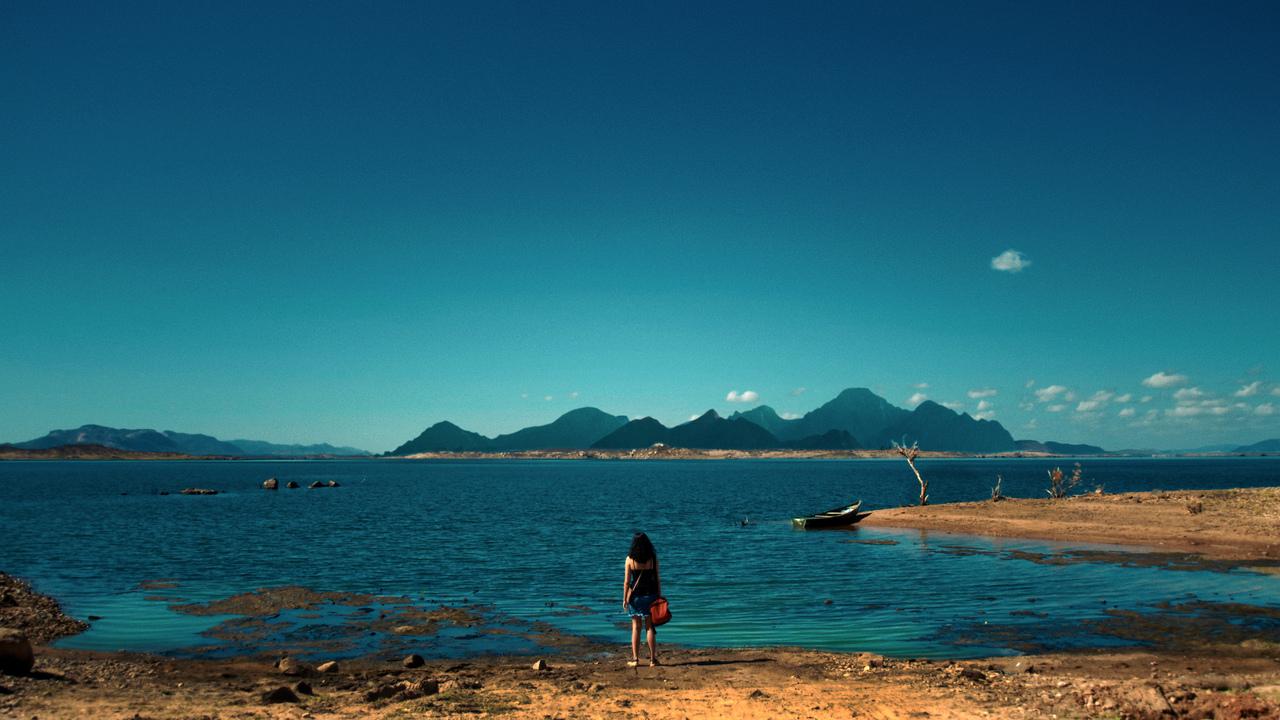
[[574, 394], [1145, 399], [1163, 379], [797, 392], [983, 406], [982, 393], [1011, 261], [1127, 397], [1026, 406], [1190, 393], [1045, 394], [790, 416], [1275, 390], [1030, 384], [1088, 405], [917, 398], [922, 386], [524, 396], [953, 406], [547, 398], [1033, 423], [1249, 390], [1056, 408], [1128, 412], [746, 396], [1265, 409], [984, 415], [1186, 411]]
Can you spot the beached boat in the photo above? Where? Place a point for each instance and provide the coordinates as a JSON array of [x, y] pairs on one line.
[[835, 517]]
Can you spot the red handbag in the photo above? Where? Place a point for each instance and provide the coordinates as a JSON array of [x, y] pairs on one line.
[[660, 612]]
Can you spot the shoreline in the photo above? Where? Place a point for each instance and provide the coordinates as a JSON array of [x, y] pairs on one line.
[[1240, 525]]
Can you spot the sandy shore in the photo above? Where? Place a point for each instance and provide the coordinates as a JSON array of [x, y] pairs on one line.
[[1239, 524], [1200, 665]]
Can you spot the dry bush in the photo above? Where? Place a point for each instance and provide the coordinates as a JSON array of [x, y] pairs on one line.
[[996, 494], [910, 453], [1060, 485]]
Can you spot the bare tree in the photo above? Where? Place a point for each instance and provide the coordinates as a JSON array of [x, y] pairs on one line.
[[1060, 485], [996, 492], [910, 453]]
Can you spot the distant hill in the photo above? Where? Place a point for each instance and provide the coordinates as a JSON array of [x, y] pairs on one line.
[[83, 452], [575, 429], [444, 437], [152, 441], [708, 431], [638, 433], [829, 440], [1272, 445], [876, 423], [1057, 448], [268, 449]]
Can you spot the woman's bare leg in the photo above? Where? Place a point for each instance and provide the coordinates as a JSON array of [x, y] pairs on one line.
[[635, 638], [653, 640]]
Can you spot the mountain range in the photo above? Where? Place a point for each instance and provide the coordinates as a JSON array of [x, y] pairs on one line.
[[146, 440], [856, 418]]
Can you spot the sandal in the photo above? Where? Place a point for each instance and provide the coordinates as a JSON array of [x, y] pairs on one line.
[[633, 663], [653, 662]]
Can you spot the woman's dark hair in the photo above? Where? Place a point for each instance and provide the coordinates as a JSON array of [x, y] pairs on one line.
[[641, 549]]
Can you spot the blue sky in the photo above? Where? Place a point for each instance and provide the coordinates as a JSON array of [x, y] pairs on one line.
[[320, 223]]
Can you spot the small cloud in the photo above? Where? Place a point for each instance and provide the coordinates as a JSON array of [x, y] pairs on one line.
[[1045, 394], [1145, 399], [1010, 261], [524, 396], [953, 406], [797, 392], [1163, 379], [547, 398], [1122, 399], [1190, 393], [1030, 384], [1056, 408], [1128, 412], [1088, 405], [574, 395], [1186, 411], [982, 393], [746, 396], [922, 386], [917, 398], [693, 417], [1275, 390], [1033, 423], [1249, 390], [1028, 406], [984, 415], [1265, 409], [790, 416], [983, 406]]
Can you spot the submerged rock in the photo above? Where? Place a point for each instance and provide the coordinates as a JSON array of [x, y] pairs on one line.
[[270, 484], [334, 483], [291, 485], [199, 491], [16, 656], [316, 484]]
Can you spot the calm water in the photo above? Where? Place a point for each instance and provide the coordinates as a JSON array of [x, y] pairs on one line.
[[516, 536]]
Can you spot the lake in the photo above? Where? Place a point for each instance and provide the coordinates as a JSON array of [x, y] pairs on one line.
[[532, 542]]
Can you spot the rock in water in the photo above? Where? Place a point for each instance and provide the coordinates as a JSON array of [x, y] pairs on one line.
[[328, 667], [413, 661], [291, 485], [270, 484], [334, 483], [16, 657], [280, 695], [316, 484], [199, 491]]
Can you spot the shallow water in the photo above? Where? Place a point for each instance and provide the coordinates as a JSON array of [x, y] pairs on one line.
[[544, 541]]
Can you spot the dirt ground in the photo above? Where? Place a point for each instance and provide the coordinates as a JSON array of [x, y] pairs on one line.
[[780, 683], [1238, 524]]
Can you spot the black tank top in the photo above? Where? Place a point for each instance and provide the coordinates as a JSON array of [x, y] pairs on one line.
[[646, 581]]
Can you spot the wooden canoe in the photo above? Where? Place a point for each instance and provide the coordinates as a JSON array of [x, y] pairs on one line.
[[836, 517]]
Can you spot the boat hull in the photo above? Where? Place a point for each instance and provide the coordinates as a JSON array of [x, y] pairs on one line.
[[836, 517]]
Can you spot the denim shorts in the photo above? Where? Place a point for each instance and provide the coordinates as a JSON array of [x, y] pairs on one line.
[[639, 605]]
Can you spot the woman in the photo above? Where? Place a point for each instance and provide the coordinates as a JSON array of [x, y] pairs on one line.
[[641, 585]]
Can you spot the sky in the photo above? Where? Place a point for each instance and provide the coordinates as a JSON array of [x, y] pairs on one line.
[[324, 222]]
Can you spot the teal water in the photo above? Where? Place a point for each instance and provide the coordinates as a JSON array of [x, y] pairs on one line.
[[543, 541]]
